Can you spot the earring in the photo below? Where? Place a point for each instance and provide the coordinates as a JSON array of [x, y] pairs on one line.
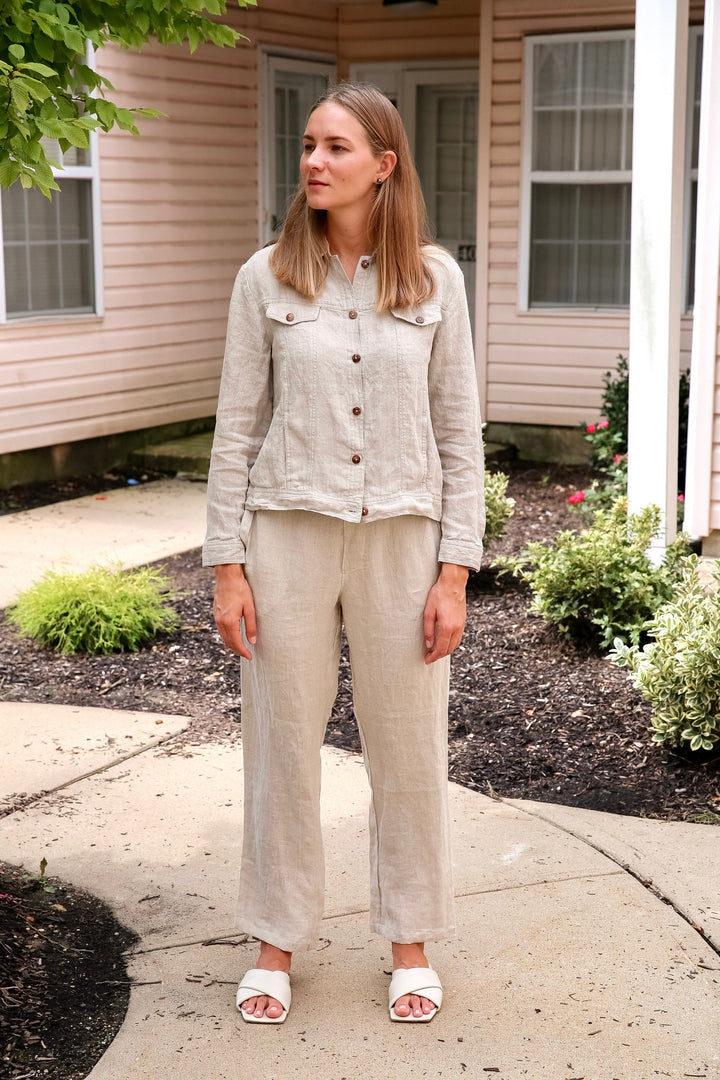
[[379, 181]]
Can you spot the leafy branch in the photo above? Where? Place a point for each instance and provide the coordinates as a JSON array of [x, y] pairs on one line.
[[48, 91]]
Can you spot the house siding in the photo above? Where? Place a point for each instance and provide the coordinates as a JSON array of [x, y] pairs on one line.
[[180, 213], [370, 34], [539, 367], [179, 209]]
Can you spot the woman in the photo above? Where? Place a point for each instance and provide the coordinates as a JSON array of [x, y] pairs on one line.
[[346, 489]]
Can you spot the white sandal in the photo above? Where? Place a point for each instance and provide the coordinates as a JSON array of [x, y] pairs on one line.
[[421, 981], [258, 983]]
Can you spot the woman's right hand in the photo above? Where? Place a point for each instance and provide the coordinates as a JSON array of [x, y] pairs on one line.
[[232, 605]]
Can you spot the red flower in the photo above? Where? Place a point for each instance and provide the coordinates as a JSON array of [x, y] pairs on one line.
[[590, 429], [603, 424], [618, 458], [578, 497]]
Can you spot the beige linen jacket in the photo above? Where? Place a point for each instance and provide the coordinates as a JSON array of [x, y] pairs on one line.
[[328, 405]]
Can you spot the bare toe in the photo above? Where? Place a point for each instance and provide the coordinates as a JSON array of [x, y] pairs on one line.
[[402, 1006]]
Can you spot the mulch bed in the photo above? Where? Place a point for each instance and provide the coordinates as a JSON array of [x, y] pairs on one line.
[[63, 987], [531, 716]]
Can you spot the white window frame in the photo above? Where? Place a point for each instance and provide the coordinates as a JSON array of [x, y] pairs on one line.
[[577, 177], [272, 59], [89, 172], [399, 81], [691, 173]]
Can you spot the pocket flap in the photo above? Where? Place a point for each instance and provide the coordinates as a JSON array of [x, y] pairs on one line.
[[421, 315], [292, 312]]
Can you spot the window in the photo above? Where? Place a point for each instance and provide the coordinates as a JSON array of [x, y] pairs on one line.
[[291, 87], [695, 81], [50, 249], [577, 187]]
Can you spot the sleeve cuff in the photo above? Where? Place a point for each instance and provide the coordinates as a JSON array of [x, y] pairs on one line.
[[220, 552], [461, 553]]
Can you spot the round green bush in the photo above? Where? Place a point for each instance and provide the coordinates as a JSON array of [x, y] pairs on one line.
[[678, 672], [498, 508], [600, 584], [102, 610]]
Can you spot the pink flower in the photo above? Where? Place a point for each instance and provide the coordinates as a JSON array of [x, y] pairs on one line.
[[590, 429], [681, 498], [618, 458], [578, 497], [603, 424]]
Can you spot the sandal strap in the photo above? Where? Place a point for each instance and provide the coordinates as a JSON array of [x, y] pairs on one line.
[[422, 981], [258, 982]]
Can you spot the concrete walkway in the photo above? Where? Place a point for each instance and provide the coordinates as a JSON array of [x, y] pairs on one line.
[[587, 943]]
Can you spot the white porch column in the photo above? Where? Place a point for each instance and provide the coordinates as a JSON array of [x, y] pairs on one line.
[[707, 285], [661, 44]]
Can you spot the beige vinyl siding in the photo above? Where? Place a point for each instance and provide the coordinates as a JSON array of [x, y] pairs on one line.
[[541, 367], [179, 215], [371, 33]]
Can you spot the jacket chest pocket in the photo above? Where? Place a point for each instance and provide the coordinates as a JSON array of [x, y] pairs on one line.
[[414, 335], [294, 327], [419, 318]]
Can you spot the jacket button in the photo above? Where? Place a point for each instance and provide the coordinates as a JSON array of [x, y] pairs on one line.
[[364, 511], [356, 459], [365, 263], [357, 410], [352, 314], [290, 316], [419, 319], [356, 358]]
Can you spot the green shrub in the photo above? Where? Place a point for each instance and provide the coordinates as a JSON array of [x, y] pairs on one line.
[[102, 610], [679, 671], [498, 508], [600, 584], [609, 437]]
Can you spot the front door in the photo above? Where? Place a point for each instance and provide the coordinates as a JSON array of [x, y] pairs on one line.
[[439, 107]]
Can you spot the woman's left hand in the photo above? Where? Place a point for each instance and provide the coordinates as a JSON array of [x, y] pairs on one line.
[[444, 619]]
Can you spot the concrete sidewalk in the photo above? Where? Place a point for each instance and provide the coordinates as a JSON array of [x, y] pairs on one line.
[[569, 962], [130, 525]]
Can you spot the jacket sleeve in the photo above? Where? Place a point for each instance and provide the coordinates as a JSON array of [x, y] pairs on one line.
[[243, 417], [457, 428]]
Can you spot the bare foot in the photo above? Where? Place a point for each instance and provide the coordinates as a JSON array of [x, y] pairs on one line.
[[411, 956], [270, 959]]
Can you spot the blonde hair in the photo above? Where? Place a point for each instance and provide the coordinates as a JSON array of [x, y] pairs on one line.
[[398, 220]]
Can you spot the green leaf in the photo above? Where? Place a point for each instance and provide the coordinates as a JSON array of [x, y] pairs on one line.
[[9, 171], [20, 97], [35, 89], [53, 129], [48, 24], [73, 39], [78, 136], [105, 111], [44, 47], [16, 52], [39, 69]]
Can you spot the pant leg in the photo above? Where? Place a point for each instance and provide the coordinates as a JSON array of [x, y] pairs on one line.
[[401, 707], [288, 689]]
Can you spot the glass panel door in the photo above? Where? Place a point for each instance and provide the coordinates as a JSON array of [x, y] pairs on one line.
[[444, 126], [293, 86]]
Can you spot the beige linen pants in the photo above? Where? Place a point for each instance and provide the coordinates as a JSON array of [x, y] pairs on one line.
[[310, 574]]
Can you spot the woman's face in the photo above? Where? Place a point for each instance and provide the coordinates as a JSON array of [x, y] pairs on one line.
[[338, 168]]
